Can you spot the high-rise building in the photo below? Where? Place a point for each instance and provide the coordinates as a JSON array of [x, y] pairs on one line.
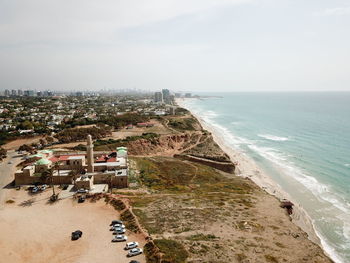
[[29, 93], [158, 97], [188, 95], [7, 93], [20, 92], [166, 94], [177, 95], [13, 92]]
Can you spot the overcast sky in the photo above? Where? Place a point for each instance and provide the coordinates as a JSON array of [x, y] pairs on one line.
[[198, 45]]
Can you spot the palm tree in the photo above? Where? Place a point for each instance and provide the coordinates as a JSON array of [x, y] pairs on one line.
[[48, 176], [56, 166]]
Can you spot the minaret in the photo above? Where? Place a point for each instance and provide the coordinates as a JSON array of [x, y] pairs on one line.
[[90, 154]]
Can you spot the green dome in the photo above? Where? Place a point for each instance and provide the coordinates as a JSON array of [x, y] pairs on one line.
[[46, 151], [122, 151], [43, 162], [122, 148]]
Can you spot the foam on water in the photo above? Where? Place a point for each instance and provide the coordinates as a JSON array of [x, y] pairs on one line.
[[273, 137]]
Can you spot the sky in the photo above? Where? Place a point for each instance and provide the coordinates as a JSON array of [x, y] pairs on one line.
[[182, 45]]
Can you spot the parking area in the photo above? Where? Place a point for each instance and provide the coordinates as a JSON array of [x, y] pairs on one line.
[[33, 230]]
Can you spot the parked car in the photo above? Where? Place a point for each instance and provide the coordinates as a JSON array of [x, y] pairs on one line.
[[131, 245], [119, 231], [135, 252], [117, 226], [134, 261], [81, 199], [114, 222], [65, 187], [43, 187], [35, 189], [76, 235], [82, 191], [119, 238]]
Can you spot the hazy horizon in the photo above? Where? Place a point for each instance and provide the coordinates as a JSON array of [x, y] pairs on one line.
[[198, 45]]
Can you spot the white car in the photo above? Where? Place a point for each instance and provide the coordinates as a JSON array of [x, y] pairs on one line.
[[119, 231], [117, 226], [43, 187], [82, 191], [119, 238], [35, 189], [135, 252], [131, 245]]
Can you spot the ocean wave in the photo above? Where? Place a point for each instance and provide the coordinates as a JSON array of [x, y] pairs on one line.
[[273, 137], [210, 114], [230, 138]]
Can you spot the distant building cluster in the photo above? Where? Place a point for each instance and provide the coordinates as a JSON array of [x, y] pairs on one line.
[[27, 93], [164, 97]]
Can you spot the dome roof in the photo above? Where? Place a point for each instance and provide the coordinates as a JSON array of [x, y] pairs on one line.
[[122, 148], [43, 162], [46, 151]]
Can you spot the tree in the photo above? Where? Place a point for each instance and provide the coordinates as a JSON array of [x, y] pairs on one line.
[[3, 153], [26, 125], [49, 139], [47, 176], [26, 148], [43, 142]]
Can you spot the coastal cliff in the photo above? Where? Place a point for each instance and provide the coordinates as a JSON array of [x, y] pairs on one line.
[[196, 209]]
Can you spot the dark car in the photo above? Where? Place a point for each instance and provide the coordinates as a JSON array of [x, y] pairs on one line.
[[81, 199], [65, 187], [134, 261], [116, 222], [76, 235]]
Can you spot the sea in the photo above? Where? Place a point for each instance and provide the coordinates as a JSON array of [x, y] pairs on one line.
[[302, 142]]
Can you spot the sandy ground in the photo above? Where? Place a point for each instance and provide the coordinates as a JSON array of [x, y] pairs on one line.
[[13, 145], [248, 168], [40, 232]]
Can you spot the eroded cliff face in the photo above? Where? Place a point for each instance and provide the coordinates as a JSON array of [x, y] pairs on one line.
[[196, 147], [165, 144]]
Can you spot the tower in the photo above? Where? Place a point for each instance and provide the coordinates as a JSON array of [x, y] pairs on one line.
[[90, 154]]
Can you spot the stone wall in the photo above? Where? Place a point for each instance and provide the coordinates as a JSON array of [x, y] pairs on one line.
[[22, 179], [227, 167]]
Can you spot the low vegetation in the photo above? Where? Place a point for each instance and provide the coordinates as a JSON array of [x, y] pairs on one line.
[[112, 144], [184, 124], [80, 134], [186, 199], [172, 251]]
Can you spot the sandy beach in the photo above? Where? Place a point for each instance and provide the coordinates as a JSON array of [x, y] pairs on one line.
[[247, 168]]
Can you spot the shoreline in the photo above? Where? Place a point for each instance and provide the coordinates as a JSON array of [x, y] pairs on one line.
[[249, 169]]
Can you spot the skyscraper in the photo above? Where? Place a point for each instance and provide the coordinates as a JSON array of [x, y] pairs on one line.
[[166, 94], [158, 97]]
